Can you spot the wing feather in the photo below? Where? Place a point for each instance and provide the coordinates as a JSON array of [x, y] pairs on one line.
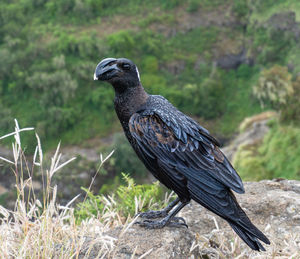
[[182, 145]]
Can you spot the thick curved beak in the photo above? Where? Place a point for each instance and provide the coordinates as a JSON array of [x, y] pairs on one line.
[[106, 69]]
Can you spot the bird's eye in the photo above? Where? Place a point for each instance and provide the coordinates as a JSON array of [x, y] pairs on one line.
[[126, 66]]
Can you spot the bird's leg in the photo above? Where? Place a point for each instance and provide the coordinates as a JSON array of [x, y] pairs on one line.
[[152, 214], [169, 220]]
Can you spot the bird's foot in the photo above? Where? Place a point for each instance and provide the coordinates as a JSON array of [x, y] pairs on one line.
[[152, 214], [154, 224]]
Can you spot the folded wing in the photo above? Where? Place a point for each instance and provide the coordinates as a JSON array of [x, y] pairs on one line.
[[183, 146]]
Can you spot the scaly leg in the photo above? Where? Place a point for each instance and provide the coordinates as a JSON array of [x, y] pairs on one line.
[[152, 214], [168, 220]]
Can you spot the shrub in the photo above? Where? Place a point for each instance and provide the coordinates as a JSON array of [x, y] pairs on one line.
[[276, 157], [150, 64], [240, 8], [274, 86], [128, 200], [193, 5], [121, 43], [290, 112], [205, 99]]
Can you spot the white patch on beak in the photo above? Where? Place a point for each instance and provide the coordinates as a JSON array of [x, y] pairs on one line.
[[138, 74], [95, 77]]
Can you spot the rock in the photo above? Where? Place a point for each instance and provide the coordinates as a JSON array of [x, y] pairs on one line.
[[272, 205], [233, 61], [157, 243], [253, 130], [285, 21], [250, 121]]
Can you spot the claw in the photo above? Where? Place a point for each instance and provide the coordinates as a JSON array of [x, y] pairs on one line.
[[169, 218], [178, 219], [177, 224]]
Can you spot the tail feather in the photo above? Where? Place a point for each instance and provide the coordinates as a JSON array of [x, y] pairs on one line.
[[224, 204], [245, 228], [249, 238]]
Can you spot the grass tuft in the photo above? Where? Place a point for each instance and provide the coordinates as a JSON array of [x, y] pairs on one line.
[[42, 228]]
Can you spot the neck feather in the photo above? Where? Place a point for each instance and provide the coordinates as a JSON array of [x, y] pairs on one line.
[[129, 101]]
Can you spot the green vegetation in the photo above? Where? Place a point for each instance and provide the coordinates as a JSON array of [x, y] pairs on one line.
[[276, 157], [127, 199], [264, 9], [274, 87], [49, 50]]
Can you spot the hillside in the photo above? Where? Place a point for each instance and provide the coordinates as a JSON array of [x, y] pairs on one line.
[[204, 56], [49, 51]]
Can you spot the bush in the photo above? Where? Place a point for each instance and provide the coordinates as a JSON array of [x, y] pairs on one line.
[[193, 5], [150, 64], [129, 199], [54, 89], [290, 112], [241, 8], [276, 157], [205, 99], [121, 43], [274, 86], [273, 44], [212, 100], [249, 163]]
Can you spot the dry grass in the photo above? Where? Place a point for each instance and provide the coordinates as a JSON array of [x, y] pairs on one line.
[[222, 243], [43, 228]]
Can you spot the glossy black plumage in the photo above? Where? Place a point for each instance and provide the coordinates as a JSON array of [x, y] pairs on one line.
[[179, 152]]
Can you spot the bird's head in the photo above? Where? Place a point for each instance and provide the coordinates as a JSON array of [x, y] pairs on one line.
[[122, 73]]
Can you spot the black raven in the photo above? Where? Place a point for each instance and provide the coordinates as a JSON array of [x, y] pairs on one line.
[[179, 152]]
